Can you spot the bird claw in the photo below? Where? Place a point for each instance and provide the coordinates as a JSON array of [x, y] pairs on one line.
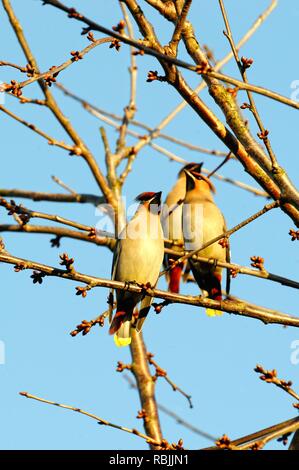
[[146, 288], [215, 262], [128, 284]]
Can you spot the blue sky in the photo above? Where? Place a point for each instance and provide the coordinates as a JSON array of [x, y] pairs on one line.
[[211, 358]]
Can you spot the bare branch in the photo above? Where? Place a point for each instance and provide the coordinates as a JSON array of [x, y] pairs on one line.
[[242, 68], [53, 197], [147, 140], [236, 269], [52, 73], [107, 239], [146, 387], [236, 307], [99, 113], [178, 31], [60, 233], [13, 208], [74, 150], [246, 149], [256, 436], [171, 60], [224, 235], [54, 108], [175, 416], [63, 185], [154, 443], [159, 372], [295, 441], [129, 111], [270, 376]]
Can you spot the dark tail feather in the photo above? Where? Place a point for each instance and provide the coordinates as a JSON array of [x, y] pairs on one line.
[[142, 317], [175, 278], [117, 321], [228, 271], [215, 292]]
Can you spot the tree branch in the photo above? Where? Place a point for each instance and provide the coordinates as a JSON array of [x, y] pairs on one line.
[[74, 150], [236, 307], [242, 69], [159, 54], [155, 444], [269, 433], [60, 233], [147, 140], [54, 71], [246, 149], [224, 235], [53, 197], [54, 108], [176, 417], [146, 386]]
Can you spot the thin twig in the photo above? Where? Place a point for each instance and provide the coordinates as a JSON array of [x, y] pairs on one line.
[[63, 185], [243, 73], [51, 140], [61, 232], [51, 103], [219, 65], [228, 233], [256, 436], [55, 70], [178, 31], [172, 60], [174, 157], [129, 111], [18, 209], [93, 416], [285, 431], [270, 376], [4, 63], [100, 113], [107, 239], [53, 197], [218, 167], [175, 416], [162, 373], [235, 307], [238, 139], [236, 269]]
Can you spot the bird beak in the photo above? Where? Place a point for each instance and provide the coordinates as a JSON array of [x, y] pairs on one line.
[[197, 167], [156, 198]]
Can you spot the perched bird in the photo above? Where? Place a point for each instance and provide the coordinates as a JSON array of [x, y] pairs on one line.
[[203, 221], [172, 224], [137, 258]]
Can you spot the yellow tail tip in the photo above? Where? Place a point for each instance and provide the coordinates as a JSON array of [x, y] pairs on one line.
[[213, 313], [121, 342]]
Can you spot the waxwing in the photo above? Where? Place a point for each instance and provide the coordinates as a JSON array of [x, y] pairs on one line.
[[138, 257], [172, 224], [203, 221]]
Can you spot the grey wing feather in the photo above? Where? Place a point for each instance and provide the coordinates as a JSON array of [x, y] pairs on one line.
[[228, 273], [116, 254], [144, 309]]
